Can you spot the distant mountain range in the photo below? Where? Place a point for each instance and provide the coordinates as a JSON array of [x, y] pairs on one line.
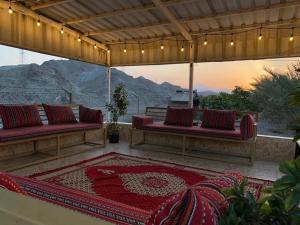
[[51, 82]]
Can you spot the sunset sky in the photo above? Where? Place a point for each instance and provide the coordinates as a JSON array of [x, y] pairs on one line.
[[207, 76]]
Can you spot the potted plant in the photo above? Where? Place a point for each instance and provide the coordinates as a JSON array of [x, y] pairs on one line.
[[117, 108]]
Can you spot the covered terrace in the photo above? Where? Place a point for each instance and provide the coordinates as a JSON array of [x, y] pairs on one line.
[[115, 33]]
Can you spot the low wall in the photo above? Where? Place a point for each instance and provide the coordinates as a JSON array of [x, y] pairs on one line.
[[268, 148]]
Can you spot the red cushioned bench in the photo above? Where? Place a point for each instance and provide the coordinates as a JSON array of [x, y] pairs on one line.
[[218, 125], [31, 123]]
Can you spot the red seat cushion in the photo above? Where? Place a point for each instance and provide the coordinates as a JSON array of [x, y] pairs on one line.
[[218, 119], [59, 114], [196, 130], [139, 122], [30, 132], [180, 116], [88, 115], [14, 116], [247, 127]]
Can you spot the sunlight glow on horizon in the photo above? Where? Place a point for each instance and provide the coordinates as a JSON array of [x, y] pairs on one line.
[[216, 76]]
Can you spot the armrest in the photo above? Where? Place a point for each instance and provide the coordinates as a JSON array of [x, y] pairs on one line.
[[247, 127], [139, 121]]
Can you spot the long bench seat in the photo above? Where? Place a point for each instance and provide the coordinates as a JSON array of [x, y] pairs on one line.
[[38, 131], [218, 125]]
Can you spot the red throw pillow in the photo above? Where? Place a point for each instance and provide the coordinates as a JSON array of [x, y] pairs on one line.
[[247, 126], [88, 115], [14, 116], [59, 114], [218, 119], [180, 116]]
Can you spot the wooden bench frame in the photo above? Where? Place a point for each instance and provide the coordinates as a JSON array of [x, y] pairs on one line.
[[186, 137], [56, 136]]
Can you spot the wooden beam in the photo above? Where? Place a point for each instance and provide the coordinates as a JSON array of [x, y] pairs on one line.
[[49, 4], [164, 9], [118, 12], [196, 19]]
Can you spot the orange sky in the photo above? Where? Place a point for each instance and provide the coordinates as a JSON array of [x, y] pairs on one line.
[[213, 75]]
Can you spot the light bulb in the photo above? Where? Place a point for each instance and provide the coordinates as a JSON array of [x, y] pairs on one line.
[[62, 30], [162, 47], [260, 36], [125, 50], [95, 46], [143, 51], [108, 51], [10, 11], [182, 48], [205, 42], [291, 37], [38, 23], [231, 43], [79, 39]]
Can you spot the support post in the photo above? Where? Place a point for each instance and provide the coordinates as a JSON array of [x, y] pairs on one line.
[[108, 89], [191, 84], [191, 74]]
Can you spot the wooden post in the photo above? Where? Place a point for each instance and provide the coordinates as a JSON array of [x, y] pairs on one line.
[[58, 145], [191, 74], [108, 90]]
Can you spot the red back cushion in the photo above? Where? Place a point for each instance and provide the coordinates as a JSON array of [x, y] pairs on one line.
[[88, 115], [180, 116], [14, 116], [59, 114], [218, 119], [247, 126]]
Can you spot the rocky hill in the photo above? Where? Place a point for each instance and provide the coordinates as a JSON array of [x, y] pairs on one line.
[[54, 80]]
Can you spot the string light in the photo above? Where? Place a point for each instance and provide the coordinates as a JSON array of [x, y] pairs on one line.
[[125, 50], [10, 11], [143, 50], [38, 23], [182, 47], [260, 35], [205, 40], [232, 42], [79, 39], [162, 46], [292, 35], [62, 30]]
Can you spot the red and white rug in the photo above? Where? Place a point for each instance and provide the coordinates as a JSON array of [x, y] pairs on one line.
[[118, 188]]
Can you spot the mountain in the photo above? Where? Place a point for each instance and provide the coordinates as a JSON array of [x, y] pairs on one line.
[[53, 81]]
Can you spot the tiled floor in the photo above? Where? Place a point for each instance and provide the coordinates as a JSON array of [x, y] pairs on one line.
[[260, 169]]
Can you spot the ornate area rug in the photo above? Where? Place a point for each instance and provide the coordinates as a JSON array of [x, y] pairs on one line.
[[118, 188]]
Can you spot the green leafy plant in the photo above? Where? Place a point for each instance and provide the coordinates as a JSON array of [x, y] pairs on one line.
[[118, 107], [243, 209], [280, 204]]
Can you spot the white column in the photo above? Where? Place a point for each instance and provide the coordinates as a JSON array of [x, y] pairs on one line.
[[108, 89], [191, 84]]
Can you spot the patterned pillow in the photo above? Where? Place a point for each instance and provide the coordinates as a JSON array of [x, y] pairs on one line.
[[59, 114], [247, 126], [180, 116], [14, 116], [7, 182], [201, 204], [88, 115], [218, 119]]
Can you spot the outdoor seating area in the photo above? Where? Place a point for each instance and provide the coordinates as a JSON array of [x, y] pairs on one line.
[[76, 146], [214, 124]]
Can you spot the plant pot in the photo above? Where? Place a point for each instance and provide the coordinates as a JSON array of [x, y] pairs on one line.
[[113, 138]]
